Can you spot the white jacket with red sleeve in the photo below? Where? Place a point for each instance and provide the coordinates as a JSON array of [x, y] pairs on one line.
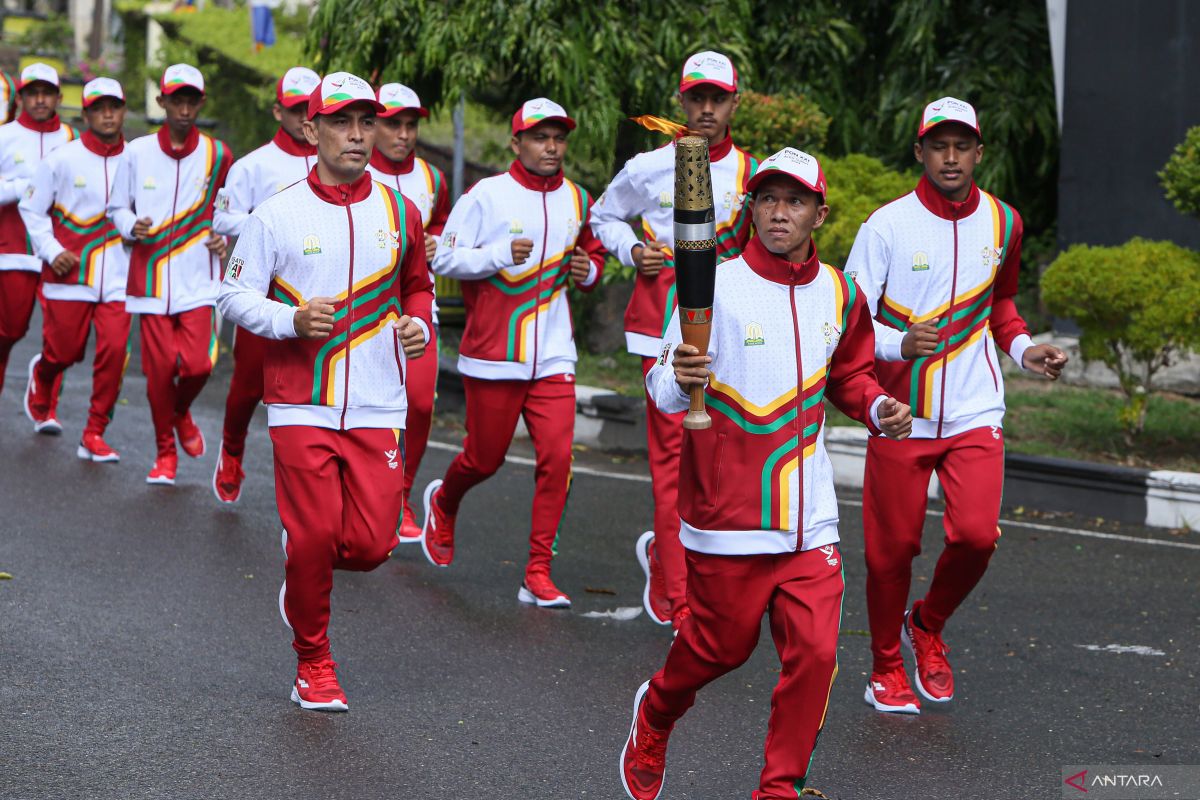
[[24, 142], [785, 337], [256, 176], [360, 243]]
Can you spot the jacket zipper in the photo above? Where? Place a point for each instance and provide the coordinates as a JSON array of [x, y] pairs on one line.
[[987, 355], [103, 250], [171, 233], [537, 291], [396, 344], [799, 424], [949, 317], [349, 320]]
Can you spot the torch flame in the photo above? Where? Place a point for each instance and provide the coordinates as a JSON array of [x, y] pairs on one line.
[[660, 125]]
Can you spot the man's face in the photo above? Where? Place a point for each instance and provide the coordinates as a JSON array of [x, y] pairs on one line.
[[708, 109], [40, 100], [344, 140], [541, 148], [950, 152], [182, 108], [105, 117], [397, 134], [291, 119], [786, 213]]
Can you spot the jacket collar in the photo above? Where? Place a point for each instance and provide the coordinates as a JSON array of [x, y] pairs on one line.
[[293, 147], [189, 144], [342, 194], [942, 206], [779, 270], [92, 142], [49, 126], [537, 183], [389, 167], [721, 149]]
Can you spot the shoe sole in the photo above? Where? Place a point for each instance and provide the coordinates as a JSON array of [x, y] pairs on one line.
[[48, 427], [160, 481], [642, 547], [87, 455], [869, 697], [637, 702], [526, 596], [333, 705], [907, 640], [217, 494], [427, 501]]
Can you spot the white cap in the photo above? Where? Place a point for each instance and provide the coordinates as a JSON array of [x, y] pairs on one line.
[[338, 90], [709, 67], [96, 88], [38, 71], [538, 110], [948, 109], [795, 164], [397, 97], [181, 76], [296, 85]]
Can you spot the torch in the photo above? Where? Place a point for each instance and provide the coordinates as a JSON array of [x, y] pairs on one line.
[[695, 257]]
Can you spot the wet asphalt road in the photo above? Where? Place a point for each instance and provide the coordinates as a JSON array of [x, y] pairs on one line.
[[142, 655]]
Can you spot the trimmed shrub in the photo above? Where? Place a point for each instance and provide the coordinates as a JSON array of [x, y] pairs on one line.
[[858, 185], [1180, 176], [765, 124]]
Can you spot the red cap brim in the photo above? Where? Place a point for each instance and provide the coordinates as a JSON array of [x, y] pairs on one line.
[[517, 127], [754, 180], [315, 107], [173, 88], [422, 112], [922, 131], [725, 87]]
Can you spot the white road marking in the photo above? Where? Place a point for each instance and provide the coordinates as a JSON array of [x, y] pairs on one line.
[[1136, 649], [1037, 526]]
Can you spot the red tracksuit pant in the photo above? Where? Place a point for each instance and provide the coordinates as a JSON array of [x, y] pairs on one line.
[[245, 389], [340, 495], [970, 467], [18, 291], [178, 353], [65, 328], [421, 389], [728, 595], [664, 435], [493, 407]]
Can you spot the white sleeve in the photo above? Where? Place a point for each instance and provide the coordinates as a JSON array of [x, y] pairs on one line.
[[867, 265], [622, 201], [664, 391], [120, 199], [461, 254], [12, 189], [243, 296], [234, 201], [35, 213]]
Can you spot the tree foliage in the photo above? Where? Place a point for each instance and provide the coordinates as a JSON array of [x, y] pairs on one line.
[[768, 123], [1180, 176], [1138, 306], [858, 185]]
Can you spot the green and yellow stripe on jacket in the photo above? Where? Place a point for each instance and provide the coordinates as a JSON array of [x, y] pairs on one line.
[[960, 330], [149, 257], [91, 238]]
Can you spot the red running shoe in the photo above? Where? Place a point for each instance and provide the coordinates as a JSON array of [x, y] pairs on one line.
[[890, 691], [189, 435], [437, 536], [41, 403], [317, 688], [539, 590], [934, 678], [163, 471], [92, 447], [654, 596], [644, 757], [228, 477], [410, 531]]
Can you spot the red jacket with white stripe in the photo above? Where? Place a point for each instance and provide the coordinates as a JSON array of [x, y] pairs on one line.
[[256, 176], [65, 209], [645, 188], [360, 243], [784, 338], [23, 145], [170, 270], [518, 319], [923, 257]]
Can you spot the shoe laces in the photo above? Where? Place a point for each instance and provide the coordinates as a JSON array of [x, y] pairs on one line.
[[651, 745], [539, 582], [443, 525], [931, 649], [322, 674], [894, 682]]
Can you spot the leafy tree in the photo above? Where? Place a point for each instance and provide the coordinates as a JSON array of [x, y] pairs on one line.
[[1180, 176], [1138, 306], [768, 123]]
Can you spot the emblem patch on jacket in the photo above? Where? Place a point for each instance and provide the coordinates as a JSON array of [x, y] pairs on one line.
[[832, 334], [80, 182], [754, 335], [235, 268], [515, 226], [312, 245], [222, 200], [920, 261], [991, 257], [666, 199], [18, 158], [449, 239], [149, 183], [386, 239]]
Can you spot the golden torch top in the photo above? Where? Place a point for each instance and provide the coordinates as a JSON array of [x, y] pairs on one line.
[[693, 176]]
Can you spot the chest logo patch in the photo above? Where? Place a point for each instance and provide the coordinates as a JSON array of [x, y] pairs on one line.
[[920, 261], [18, 158], [386, 239], [312, 245], [754, 335], [80, 182], [515, 226], [666, 200], [992, 257], [149, 183], [832, 334]]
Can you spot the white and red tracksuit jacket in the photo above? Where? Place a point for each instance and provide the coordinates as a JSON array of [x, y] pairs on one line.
[[170, 271], [361, 243], [66, 208], [645, 188], [256, 176], [784, 337], [923, 256], [424, 184], [518, 320], [23, 145]]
